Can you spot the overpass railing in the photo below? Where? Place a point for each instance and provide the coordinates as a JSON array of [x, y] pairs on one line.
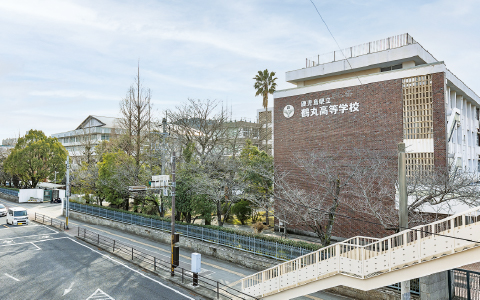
[[362, 258]]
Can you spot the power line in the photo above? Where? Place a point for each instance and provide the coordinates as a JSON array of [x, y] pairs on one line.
[[376, 223], [339, 48]]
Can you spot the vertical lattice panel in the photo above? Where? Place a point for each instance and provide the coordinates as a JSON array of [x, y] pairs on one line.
[[417, 107], [419, 164]]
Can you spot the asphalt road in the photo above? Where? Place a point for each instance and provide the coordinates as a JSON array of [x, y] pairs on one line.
[[38, 262], [222, 271]]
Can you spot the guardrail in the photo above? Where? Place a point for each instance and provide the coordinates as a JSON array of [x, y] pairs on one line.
[[362, 258], [245, 243], [49, 221], [157, 265], [9, 192]]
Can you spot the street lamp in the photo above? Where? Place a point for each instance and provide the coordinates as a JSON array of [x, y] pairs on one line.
[[67, 193]]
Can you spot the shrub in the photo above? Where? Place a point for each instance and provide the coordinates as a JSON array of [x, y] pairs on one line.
[[242, 211], [259, 227]]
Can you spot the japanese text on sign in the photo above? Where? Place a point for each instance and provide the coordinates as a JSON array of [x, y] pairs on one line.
[[311, 108]]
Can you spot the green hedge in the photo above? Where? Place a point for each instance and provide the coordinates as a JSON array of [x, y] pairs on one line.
[[305, 245], [9, 188]]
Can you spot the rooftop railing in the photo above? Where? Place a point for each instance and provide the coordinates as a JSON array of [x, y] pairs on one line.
[[392, 42]]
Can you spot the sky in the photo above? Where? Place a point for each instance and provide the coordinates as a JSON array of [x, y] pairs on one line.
[[62, 60]]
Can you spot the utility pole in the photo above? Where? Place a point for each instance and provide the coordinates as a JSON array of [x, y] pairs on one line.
[[403, 207], [175, 237], [164, 125], [55, 180], [67, 193]]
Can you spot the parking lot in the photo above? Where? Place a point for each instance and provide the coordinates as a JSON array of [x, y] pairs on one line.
[[38, 262]]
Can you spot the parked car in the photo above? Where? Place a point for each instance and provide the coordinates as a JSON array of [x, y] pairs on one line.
[[17, 216], [3, 210]]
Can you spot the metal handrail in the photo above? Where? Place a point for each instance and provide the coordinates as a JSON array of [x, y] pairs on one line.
[[326, 261], [392, 42], [49, 221], [155, 263]]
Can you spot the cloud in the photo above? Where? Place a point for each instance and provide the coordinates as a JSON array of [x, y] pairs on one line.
[[73, 94], [66, 59]]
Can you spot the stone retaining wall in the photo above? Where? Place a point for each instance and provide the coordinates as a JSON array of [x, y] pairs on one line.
[[9, 197], [233, 255]]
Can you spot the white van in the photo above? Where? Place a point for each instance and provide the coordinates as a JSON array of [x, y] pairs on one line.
[[17, 216]]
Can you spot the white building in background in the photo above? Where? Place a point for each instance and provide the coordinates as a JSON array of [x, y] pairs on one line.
[[92, 131]]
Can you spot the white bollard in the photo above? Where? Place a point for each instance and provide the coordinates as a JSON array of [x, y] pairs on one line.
[[196, 266]]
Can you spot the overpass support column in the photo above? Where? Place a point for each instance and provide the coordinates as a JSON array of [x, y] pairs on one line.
[[434, 287]]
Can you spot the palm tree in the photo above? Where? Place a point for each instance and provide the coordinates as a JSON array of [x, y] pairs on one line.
[[265, 84]]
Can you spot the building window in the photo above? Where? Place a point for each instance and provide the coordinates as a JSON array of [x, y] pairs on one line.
[[417, 107], [105, 137], [391, 68], [419, 164]]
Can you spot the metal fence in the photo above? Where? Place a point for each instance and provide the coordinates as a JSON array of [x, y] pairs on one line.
[[464, 285], [158, 265], [49, 221], [9, 192], [245, 243]]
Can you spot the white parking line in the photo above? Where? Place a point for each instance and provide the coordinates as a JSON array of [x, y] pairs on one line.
[[49, 228], [20, 237], [11, 277], [25, 226], [14, 244], [38, 248], [156, 281]]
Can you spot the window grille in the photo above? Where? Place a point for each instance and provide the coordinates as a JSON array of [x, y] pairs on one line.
[[417, 107], [419, 164]]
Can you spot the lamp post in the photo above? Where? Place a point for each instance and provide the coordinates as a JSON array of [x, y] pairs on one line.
[[67, 193], [164, 134], [55, 180], [175, 237], [403, 207]]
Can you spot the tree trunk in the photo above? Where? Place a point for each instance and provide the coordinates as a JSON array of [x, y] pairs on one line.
[[331, 215], [267, 222], [219, 213], [162, 210]]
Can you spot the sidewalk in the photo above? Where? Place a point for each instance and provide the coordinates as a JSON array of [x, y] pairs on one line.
[[224, 272]]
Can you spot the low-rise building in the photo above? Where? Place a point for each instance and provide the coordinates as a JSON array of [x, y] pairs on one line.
[[91, 132]]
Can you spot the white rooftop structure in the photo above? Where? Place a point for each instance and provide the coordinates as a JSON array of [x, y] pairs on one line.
[[91, 131]]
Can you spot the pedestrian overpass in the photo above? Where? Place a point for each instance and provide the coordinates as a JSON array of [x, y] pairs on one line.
[[368, 263]]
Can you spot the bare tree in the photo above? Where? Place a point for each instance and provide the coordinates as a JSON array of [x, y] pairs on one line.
[[431, 195], [136, 121], [224, 182], [316, 192], [202, 123]]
